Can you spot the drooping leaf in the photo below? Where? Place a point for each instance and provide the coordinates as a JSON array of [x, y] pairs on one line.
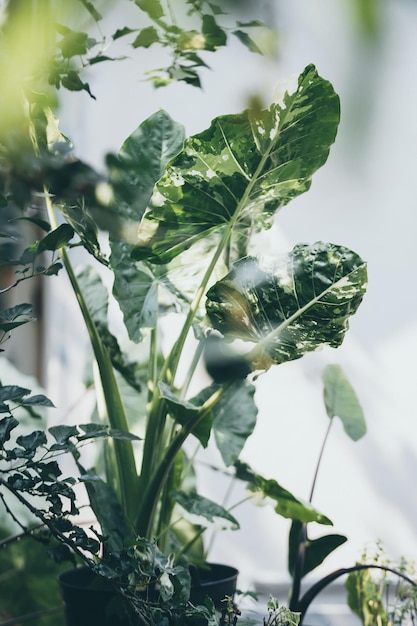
[[12, 393], [86, 229], [94, 431], [286, 504], [138, 166], [73, 82], [56, 239], [146, 37], [63, 433], [241, 170], [126, 368], [32, 441], [234, 420], [141, 161], [7, 424], [92, 10], [152, 7], [135, 289], [201, 510], [184, 411], [214, 35], [94, 292], [122, 32], [341, 400], [108, 511], [247, 41], [43, 224], [297, 304], [233, 417], [315, 550], [37, 400], [53, 269], [73, 43], [15, 316]]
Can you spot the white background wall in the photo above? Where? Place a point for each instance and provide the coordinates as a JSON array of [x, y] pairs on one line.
[[364, 198]]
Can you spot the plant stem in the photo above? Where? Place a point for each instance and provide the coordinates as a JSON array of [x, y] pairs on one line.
[[315, 589], [127, 474], [157, 411], [299, 563], [153, 488], [323, 445]]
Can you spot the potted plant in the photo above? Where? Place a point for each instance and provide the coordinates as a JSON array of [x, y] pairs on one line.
[[181, 216], [368, 598], [386, 591]]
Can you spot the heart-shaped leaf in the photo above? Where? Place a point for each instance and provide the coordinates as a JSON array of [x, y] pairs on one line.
[[241, 170], [315, 550], [297, 304], [341, 400]]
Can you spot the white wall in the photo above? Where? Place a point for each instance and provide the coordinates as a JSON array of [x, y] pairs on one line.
[[364, 198]]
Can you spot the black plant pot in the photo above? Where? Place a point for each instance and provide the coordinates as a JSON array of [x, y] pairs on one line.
[[215, 580], [92, 601]]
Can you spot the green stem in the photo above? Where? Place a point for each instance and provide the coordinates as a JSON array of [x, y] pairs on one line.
[[126, 466], [172, 362], [302, 542], [154, 425], [157, 411], [323, 445], [152, 490]]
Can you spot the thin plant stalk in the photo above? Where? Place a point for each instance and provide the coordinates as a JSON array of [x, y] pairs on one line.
[[152, 490], [299, 563], [127, 473]]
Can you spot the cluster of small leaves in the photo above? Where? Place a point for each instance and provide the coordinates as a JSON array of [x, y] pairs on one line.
[[280, 615], [28, 263], [186, 45], [381, 595], [29, 469], [33, 261], [77, 50], [230, 612]]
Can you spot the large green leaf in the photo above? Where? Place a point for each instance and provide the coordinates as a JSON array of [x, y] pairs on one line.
[[108, 510], [341, 400], [234, 419], [297, 304], [241, 170], [136, 288], [286, 504], [184, 411], [137, 294], [141, 161], [315, 550], [139, 164]]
